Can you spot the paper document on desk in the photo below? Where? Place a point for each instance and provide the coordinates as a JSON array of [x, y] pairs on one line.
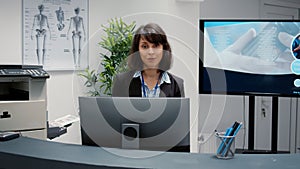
[[64, 121]]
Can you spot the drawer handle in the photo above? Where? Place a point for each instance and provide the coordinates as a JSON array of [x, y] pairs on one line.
[[5, 115]]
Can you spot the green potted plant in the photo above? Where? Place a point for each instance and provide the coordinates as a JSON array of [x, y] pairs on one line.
[[117, 42]]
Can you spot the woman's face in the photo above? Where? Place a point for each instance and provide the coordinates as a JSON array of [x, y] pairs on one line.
[[150, 53]]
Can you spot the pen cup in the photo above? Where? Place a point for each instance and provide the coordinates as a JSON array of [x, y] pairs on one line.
[[226, 145]]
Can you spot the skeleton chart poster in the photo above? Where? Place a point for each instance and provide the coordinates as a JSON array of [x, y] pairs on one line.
[[55, 34]]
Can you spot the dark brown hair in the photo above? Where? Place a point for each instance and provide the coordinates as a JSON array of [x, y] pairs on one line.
[[153, 33]]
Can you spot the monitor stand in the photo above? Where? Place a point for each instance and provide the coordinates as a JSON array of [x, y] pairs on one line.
[[251, 128]]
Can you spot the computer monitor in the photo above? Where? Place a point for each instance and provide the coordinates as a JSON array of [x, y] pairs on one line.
[[249, 57], [161, 124]]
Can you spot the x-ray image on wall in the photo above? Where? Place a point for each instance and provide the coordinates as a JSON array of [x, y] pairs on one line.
[[55, 34]]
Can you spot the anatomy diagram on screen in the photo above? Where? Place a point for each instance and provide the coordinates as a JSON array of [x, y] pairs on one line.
[[78, 35], [40, 30], [60, 18]]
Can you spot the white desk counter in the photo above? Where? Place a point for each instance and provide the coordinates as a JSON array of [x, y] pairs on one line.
[[32, 153]]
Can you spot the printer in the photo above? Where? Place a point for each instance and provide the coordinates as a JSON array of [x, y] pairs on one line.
[[23, 100]]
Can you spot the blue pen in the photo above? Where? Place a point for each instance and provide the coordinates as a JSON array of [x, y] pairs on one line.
[[228, 131], [221, 144], [231, 139], [225, 152]]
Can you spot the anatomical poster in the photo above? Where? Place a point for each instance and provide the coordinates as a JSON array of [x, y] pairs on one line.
[[55, 34]]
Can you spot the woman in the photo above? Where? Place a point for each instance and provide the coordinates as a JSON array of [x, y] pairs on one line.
[[150, 58]]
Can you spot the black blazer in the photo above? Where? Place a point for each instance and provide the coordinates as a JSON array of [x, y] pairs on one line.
[[126, 86]]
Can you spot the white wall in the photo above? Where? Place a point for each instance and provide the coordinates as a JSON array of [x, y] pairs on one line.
[[229, 9], [178, 19], [10, 32]]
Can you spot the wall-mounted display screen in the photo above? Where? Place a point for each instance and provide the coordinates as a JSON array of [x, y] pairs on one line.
[[250, 57]]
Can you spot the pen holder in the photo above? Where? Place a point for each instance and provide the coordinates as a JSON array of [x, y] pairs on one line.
[[226, 146]]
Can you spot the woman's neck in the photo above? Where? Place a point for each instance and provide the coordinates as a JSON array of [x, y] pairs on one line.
[[151, 77], [151, 73]]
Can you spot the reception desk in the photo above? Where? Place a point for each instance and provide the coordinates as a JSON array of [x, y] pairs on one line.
[[26, 153]]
